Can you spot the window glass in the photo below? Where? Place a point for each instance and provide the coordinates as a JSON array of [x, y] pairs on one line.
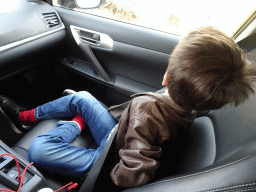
[[177, 17]]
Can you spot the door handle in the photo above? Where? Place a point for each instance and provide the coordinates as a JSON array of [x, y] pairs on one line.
[[91, 40], [94, 38]]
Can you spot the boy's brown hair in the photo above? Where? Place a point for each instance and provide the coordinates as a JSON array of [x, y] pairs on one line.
[[208, 70]]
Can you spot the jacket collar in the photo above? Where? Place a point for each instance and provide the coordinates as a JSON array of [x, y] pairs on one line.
[[165, 98]]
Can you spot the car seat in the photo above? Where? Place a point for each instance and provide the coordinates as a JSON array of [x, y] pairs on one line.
[[218, 153]]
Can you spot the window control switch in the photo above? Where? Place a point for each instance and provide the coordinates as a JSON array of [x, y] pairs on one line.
[[8, 181]]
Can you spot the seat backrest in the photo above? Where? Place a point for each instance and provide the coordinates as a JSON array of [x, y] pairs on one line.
[[220, 153], [198, 148], [234, 127]]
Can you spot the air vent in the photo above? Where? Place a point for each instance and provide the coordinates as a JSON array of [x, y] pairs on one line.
[[51, 19]]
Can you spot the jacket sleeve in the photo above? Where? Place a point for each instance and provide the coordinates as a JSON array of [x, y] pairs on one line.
[[139, 159]]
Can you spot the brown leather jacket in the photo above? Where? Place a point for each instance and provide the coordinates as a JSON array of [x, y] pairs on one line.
[[149, 121]]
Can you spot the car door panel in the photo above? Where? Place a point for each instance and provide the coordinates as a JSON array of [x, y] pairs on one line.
[[139, 64], [137, 59]]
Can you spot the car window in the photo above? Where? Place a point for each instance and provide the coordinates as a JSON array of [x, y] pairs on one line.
[[177, 17]]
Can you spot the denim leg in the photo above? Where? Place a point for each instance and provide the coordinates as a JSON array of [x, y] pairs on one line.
[[53, 152], [95, 115]]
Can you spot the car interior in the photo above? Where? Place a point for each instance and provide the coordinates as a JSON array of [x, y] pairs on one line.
[[46, 49]]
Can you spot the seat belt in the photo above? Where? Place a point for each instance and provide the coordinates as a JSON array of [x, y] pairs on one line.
[[92, 176], [88, 184]]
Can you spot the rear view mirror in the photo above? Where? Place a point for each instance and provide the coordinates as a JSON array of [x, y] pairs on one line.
[[81, 4], [89, 4]]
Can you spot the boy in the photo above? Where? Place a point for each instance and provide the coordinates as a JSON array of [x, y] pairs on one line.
[[206, 71]]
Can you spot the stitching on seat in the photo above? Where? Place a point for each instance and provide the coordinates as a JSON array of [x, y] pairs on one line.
[[252, 189], [199, 173], [234, 187]]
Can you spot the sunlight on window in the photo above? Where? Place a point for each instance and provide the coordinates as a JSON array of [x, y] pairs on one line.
[[178, 17]]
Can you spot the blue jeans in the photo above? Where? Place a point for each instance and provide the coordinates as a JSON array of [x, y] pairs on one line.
[[53, 151]]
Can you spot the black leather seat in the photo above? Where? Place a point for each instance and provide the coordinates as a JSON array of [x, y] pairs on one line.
[[217, 153], [220, 153]]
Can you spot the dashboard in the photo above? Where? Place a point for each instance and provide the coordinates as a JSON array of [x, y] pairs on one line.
[[27, 26]]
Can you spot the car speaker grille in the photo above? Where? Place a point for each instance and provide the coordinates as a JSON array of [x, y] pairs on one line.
[[51, 19]]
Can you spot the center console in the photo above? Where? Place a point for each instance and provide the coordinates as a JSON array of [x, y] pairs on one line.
[[33, 181]]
